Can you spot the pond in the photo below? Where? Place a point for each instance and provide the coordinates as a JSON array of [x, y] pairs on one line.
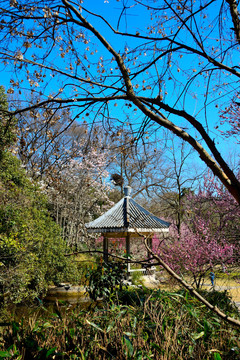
[[68, 293], [57, 298]]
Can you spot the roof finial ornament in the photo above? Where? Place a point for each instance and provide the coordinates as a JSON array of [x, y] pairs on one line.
[[127, 190]]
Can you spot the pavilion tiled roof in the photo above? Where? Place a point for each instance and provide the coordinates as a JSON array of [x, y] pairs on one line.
[[127, 216]]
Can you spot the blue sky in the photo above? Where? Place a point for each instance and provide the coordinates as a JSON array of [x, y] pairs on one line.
[[137, 21]]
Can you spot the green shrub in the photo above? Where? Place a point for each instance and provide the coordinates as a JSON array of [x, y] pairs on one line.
[[105, 279], [32, 252]]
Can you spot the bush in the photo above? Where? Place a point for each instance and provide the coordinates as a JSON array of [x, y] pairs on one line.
[[32, 252], [105, 279]]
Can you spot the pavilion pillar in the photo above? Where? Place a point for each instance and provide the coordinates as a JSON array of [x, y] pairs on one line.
[[149, 243], [105, 249], [128, 253]]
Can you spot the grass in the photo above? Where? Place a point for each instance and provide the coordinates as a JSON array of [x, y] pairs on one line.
[[141, 324]]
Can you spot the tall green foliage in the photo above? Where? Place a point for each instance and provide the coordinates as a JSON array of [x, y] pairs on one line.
[[158, 325], [31, 248]]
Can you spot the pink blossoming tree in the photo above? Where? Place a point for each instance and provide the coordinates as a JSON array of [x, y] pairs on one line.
[[208, 236], [195, 252]]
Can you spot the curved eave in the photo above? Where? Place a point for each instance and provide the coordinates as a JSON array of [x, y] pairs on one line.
[[126, 230]]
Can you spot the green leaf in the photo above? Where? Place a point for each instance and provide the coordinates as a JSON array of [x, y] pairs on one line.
[[190, 349], [4, 354], [47, 325], [198, 335], [50, 351], [207, 329], [217, 356], [129, 334], [72, 332], [145, 336], [110, 327], [129, 345], [94, 325]]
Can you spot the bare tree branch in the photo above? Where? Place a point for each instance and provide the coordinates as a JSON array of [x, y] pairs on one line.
[[235, 17]]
